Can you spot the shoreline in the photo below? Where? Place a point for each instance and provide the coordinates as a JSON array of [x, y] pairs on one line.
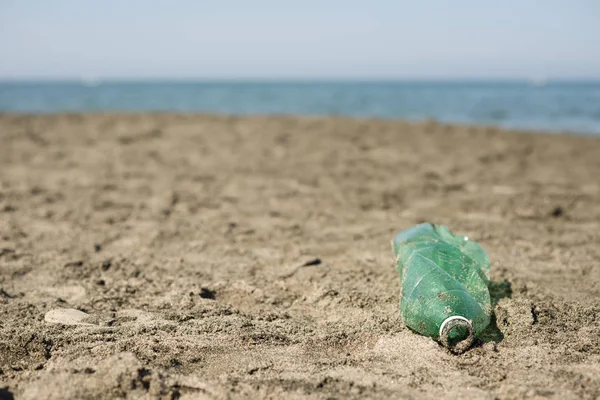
[[566, 106], [364, 119]]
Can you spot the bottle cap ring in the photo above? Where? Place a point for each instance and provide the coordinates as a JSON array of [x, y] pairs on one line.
[[449, 325]]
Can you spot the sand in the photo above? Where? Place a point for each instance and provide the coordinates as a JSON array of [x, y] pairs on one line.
[[194, 256]]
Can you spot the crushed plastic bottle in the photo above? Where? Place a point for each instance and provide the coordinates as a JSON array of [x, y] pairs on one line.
[[444, 284]]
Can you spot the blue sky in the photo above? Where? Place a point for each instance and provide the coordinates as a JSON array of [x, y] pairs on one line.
[[378, 39]]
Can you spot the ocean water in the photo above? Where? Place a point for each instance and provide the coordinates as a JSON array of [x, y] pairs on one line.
[[554, 106]]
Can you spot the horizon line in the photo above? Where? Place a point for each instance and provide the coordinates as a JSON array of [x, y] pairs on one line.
[[91, 80]]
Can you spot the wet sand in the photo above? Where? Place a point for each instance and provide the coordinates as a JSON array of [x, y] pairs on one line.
[[249, 257]]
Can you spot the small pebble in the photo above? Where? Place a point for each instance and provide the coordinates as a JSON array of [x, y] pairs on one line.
[[66, 316]]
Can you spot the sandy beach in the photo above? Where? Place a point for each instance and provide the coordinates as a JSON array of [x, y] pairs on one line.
[[249, 257]]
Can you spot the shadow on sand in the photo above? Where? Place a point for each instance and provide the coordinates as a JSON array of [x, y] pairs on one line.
[[498, 290]]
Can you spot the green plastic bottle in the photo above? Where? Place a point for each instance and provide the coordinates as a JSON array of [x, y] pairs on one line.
[[444, 284]]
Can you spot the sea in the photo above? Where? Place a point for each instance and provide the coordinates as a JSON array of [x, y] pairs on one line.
[[572, 107]]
